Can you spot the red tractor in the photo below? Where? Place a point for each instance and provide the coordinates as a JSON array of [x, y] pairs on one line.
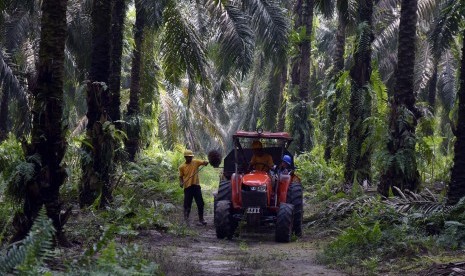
[[258, 197]]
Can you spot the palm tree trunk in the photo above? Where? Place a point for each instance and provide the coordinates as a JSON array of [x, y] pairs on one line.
[[114, 83], [48, 140], [300, 77], [4, 114], [402, 169], [431, 97], [282, 108], [96, 178], [338, 68], [133, 109], [358, 163], [457, 179], [432, 87], [305, 48]]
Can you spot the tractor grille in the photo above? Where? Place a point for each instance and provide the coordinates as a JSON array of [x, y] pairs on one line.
[[253, 199]]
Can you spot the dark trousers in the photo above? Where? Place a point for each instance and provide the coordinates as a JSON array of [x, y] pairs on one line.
[[193, 192]]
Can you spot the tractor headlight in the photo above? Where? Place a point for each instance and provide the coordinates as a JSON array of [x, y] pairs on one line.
[[261, 188]]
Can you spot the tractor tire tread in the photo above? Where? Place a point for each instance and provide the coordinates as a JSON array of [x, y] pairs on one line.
[[284, 222], [295, 197], [224, 224]]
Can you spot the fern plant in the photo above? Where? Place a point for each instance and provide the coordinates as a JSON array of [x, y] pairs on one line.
[[28, 255]]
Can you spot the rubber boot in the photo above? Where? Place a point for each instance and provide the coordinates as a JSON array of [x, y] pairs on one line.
[[202, 221], [186, 217]]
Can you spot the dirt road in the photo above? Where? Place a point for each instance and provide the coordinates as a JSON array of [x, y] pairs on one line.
[[199, 252]]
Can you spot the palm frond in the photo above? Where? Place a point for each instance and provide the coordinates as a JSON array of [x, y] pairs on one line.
[[235, 37], [424, 64], [252, 111], [28, 5], [203, 123], [326, 8], [343, 208], [79, 37], [446, 26], [9, 81], [387, 4], [182, 49], [446, 83], [426, 203], [427, 9], [386, 36], [171, 109], [271, 99], [325, 38], [348, 11], [272, 26], [154, 12], [16, 29]]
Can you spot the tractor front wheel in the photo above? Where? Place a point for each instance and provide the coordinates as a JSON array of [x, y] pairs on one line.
[[295, 197], [224, 223], [284, 222], [224, 193]]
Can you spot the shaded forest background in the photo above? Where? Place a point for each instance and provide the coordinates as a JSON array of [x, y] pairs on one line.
[[373, 92]]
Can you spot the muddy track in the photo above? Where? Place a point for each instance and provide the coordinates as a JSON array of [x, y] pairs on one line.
[[199, 252]]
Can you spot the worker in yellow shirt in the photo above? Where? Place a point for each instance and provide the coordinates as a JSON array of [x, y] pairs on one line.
[[189, 180], [261, 161]]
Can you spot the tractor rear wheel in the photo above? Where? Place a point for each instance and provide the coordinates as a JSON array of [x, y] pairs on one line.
[[295, 197], [224, 223], [224, 192], [284, 222]]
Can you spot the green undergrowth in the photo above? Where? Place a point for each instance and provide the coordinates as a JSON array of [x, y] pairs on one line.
[[362, 234], [147, 203]]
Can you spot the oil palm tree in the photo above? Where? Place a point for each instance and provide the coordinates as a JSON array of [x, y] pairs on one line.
[[358, 161], [133, 108], [345, 11], [114, 82], [449, 25], [300, 126], [401, 168], [18, 25], [99, 131], [237, 30], [47, 147]]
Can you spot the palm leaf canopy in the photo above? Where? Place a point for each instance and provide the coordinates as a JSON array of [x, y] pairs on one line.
[[271, 24], [235, 36], [182, 49], [9, 80], [447, 25], [326, 8]]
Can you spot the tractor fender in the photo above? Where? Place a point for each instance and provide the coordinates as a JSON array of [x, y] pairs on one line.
[[284, 182], [236, 185]]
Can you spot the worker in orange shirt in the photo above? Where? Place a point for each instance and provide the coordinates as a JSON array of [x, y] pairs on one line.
[[189, 180], [261, 161]]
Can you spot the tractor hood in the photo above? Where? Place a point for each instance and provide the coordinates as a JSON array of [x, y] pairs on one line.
[[256, 178]]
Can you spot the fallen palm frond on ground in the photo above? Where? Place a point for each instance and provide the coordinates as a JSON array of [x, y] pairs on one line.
[[425, 202], [457, 268]]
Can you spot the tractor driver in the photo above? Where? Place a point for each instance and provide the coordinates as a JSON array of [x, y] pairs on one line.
[[261, 161]]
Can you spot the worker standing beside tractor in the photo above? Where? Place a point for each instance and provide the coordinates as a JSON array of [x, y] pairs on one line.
[[189, 180]]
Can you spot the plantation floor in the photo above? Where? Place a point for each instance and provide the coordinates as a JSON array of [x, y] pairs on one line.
[[201, 253]]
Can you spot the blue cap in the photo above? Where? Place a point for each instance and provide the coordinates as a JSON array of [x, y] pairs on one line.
[[287, 159]]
